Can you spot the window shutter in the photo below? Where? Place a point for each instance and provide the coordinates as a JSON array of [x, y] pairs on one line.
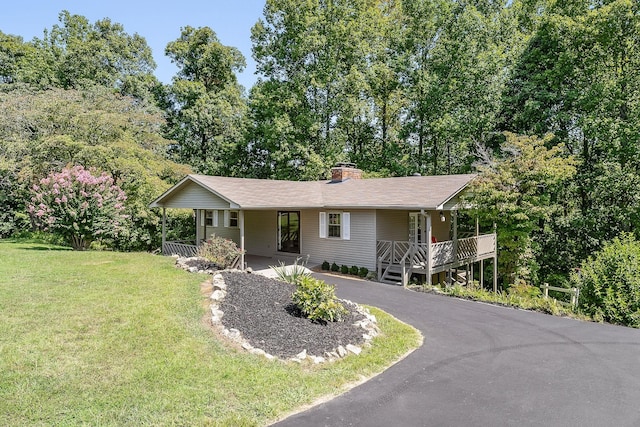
[[323, 225], [215, 218], [226, 218], [346, 226], [202, 214]]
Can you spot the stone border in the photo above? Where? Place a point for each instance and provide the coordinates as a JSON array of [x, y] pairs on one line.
[[368, 324]]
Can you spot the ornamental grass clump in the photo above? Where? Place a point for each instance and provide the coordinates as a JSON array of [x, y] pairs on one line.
[[80, 205], [292, 273], [220, 251], [317, 300]]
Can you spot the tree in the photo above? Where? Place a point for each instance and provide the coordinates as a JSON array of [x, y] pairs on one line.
[[102, 53], [207, 108], [79, 205], [44, 131], [514, 192], [578, 78]]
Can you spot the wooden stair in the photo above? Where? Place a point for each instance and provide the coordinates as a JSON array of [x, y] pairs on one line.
[[392, 275]]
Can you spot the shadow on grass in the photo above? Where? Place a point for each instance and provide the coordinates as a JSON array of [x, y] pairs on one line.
[[45, 248]]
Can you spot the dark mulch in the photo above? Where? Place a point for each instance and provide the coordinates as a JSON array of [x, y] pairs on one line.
[[262, 310]]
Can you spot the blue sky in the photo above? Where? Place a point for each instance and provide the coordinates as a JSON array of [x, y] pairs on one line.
[[158, 22]]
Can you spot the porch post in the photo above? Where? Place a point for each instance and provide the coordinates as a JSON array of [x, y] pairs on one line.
[[454, 214], [164, 228], [495, 261], [241, 221], [429, 233], [482, 273]]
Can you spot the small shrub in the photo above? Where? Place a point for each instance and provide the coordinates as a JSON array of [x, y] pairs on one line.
[[344, 269], [219, 250], [335, 267], [363, 272], [353, 270], [520, 289], [291, 273], [326, 266], [317, 300]]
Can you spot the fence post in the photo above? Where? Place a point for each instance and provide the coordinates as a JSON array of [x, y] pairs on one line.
[[545, 287]]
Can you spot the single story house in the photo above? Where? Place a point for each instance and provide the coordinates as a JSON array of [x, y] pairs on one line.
[[395, 227]]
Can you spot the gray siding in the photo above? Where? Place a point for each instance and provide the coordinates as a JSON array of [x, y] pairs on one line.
[[392, 225], [193, 196], [261, 232], [360, 250]]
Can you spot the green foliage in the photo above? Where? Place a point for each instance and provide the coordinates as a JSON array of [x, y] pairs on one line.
[[335, 267], [609, 282], [363, 271], [291, 273], [521, 289], [326, 266], [219, 250], [206, 107], [344, 269], [43, 131], [353, 270], [316, 299], [514, 192], [524, 297]]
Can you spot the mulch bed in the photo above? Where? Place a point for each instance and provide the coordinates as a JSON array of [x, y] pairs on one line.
[[262, 310]]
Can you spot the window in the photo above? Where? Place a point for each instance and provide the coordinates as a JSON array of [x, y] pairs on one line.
[[233, 218], [208, 218], [334, 225]]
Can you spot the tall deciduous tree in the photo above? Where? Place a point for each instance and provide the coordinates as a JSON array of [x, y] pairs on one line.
[[514, 192], [207, 105]]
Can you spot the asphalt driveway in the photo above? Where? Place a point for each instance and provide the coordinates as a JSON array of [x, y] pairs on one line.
[[483, 365]]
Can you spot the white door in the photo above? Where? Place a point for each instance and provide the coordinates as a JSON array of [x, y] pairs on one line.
[[417, 228]]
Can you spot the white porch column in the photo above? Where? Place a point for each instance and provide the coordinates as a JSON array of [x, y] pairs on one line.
[[241, 224], [164, 228]]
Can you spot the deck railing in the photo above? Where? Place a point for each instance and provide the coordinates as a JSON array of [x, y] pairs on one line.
[[442, 253], [184, 248]]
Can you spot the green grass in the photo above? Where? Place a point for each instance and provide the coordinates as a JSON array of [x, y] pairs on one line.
[[105, 338]]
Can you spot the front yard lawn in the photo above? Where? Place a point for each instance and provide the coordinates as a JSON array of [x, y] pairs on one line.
[[107, 338]]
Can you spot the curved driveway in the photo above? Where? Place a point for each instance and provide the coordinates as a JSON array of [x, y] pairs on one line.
[[483, 365]]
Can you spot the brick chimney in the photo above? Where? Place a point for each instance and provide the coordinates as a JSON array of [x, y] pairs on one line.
[[344, 171]]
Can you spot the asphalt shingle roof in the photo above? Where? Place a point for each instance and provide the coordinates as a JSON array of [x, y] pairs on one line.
[[422, 192]]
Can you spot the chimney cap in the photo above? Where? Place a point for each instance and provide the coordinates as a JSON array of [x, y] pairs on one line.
[[345, 165]]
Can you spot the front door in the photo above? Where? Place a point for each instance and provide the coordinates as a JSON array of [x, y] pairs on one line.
[[289, 231], [417, 228]]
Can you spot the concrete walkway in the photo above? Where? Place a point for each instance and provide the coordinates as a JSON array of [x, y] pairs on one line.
[[484, 365]]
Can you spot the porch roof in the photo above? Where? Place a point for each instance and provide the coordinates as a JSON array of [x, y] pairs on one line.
[[412, 192]]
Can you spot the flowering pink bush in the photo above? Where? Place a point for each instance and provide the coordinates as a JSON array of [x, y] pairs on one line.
[[78, 205]]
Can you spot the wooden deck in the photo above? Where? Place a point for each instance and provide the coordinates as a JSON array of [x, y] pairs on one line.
[[399, 259]]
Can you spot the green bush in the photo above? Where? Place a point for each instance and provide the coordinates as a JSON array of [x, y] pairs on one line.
[[335, 267], [344, 269], [326, 266], [317, 300], [609, 282], [521, 289], [363, 272], [353, 270], [219, 250]]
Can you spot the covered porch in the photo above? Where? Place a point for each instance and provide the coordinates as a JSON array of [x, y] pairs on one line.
[[423, 254]]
